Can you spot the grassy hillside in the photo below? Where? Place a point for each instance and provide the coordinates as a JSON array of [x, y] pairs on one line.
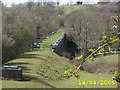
[[41, 67], [84, 76], [47, 43], [45, 70], [104, 65], [68, 9], [109, 59]]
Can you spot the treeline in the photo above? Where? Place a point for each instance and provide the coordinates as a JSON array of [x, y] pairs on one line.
[[22, 26], [87, 25]]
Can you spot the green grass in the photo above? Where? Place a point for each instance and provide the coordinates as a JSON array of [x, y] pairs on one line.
[[69, 8], [109, 59], [23, 84], [43, 66], [51, 40], [46, 68], [84, 76]]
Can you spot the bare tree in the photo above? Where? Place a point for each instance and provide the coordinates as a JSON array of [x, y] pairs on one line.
[[83, 28]]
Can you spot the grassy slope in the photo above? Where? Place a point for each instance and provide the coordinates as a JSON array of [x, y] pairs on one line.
[[47, 69], [73, 82], [68, 9], [109, 59], [52, 39], [43, 66]]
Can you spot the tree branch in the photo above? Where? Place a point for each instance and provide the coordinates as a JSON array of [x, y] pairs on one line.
[[75, 71]]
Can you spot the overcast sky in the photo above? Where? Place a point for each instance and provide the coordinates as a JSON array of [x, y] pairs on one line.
[[61, 1]]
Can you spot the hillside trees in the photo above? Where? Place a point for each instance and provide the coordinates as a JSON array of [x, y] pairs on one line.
[[82, 26], [105, 12], [23, 26], [86, 26], [115, 39], [18, 32], [107, 36]]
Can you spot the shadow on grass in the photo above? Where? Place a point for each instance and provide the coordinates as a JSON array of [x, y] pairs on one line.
[[20, 64], [25, 69], [38, 56], [17, 63], [27, 78], [27, 56]]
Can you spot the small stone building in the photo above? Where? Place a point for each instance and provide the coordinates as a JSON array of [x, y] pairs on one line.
[[64, 46]]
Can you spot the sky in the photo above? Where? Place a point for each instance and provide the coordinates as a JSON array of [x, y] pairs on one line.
[[9, 2]]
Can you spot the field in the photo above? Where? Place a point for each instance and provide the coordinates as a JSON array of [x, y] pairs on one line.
[[41, 67], [47, 43], [69, 9], [44, 69]]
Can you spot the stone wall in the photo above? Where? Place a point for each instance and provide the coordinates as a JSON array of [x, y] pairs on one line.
[[65, 47]]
